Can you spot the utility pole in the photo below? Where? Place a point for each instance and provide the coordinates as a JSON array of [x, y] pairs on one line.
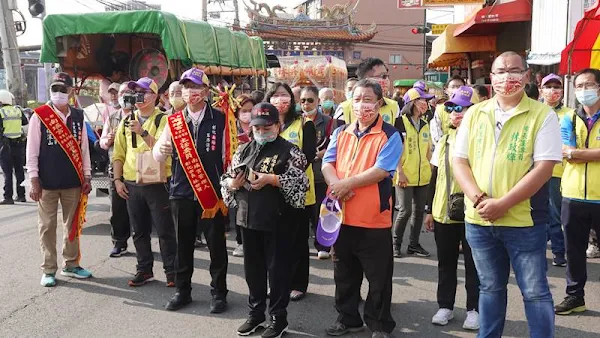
[[47, 66], [424, 42], [236, 21], [10, 53], [205, 10]]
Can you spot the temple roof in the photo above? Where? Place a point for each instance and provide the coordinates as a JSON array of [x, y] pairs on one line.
[[336, 23]]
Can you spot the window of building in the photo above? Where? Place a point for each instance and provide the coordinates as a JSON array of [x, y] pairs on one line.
[[395, 59]]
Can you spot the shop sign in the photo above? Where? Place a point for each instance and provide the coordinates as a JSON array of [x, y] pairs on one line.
[[426, 3], [438, 29]]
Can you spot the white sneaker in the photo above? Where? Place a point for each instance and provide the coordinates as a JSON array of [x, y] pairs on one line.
[[239, 251], [472, 321], [592, 251], [323, 255], [442, 317]]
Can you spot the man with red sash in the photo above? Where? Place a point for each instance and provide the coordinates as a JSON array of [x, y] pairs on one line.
[[58, 163], [195, 139]]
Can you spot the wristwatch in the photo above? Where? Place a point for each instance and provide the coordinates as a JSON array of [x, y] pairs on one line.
[[119, 179], [570, 154], [144, 133]]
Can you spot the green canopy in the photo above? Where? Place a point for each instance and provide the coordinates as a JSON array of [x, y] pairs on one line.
[[405, 82], [197, 41]]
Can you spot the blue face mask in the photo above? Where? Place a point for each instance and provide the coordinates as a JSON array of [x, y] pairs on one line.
[[327, 104], [348, 95], [587, 97], [265, 137], [298, 107]]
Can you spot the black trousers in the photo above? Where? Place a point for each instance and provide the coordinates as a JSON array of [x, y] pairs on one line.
[[268, 253], [578, 218], [448, 238], [369, 251], [149, 205], [186, 214], [120, 227], [300, 253], [315, 210], [11, 159]]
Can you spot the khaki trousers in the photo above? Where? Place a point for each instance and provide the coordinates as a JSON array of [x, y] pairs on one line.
[[47, 221]]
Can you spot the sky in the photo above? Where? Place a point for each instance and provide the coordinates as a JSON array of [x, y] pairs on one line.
[[185, 9]]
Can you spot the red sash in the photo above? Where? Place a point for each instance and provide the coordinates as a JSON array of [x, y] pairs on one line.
[[71, 147], [193, 168]]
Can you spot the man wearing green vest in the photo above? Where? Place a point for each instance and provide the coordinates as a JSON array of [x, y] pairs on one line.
[[12, 147], [552, 93], [505, 150], [376, 70], [580, 184]]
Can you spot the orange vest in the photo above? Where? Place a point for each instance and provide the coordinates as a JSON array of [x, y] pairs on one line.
[[370, 207]]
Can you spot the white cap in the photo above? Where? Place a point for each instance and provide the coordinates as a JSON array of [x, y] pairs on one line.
[[6, 97]]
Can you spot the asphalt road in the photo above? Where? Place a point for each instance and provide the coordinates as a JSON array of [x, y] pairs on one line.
[[106, 307]]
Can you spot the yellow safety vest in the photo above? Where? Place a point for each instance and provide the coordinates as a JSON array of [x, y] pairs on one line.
[[582, 180], [294, 135], [443, 118], [439, 208], [559, 168], [11, 118], [414, 160], [498, 167], [388, 112]]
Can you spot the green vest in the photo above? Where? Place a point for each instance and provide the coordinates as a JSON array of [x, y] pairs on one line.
[[439, 208], [388, 112], [294, 135], [414, 160], [443, 118], [560, 167], [498, 167], [582, 180], [11, 118]]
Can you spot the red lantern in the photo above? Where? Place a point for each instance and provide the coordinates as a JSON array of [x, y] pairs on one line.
[[395, 67], [406, 67]]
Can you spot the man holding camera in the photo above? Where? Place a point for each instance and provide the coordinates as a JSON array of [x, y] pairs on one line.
[[195, 140], [119, 220], [147, 197]]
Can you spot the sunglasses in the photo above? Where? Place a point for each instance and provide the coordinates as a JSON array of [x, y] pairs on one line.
[[309, 100], [450, 109], [59, 89]]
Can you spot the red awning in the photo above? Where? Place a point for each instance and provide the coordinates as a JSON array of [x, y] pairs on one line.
[[488, 20], [584, 50]]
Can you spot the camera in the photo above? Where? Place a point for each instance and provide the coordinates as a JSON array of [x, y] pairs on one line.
[[131, 99]]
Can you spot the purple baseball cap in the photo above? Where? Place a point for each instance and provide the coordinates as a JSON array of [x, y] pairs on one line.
[[416, 93], [462, 97], [146, 83], [330, 222], [195, 75], [551, 77], [421, 85]]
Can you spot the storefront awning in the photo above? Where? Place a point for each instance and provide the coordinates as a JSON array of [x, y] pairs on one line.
[[448, 50], [488, 20], [543, 59], [584, 51]]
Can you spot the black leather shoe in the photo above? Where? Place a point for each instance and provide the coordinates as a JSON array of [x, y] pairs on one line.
[[7, 202], [179, 300], [218, 305], [21, 199]]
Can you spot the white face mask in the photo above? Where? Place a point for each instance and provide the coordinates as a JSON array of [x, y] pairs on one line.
[[245, 116], [59, 99], [122, 101]]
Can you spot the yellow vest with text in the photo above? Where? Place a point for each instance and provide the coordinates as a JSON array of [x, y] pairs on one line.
[[388, 112], [294, 135], [498, 167], [439, 209], [11, 118], [414, 160], [582, 180], [559, 168]]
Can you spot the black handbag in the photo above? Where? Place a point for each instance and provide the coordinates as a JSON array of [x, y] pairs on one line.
[[456, 202]]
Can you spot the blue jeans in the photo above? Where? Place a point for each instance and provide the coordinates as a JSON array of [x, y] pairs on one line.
[[494, 250], [554, 229]]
